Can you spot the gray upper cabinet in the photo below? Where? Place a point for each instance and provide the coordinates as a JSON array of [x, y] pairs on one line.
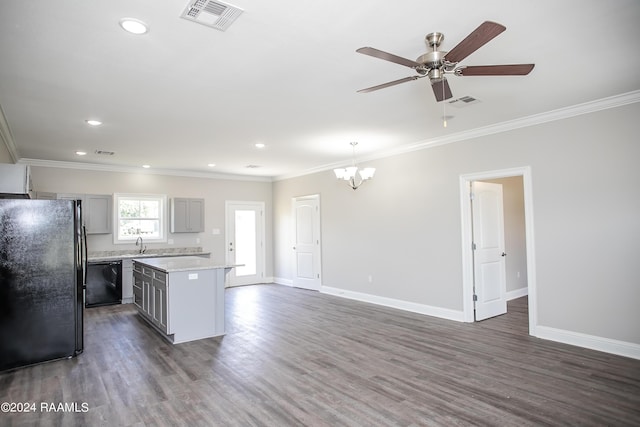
[[96, 211], [187, 215]]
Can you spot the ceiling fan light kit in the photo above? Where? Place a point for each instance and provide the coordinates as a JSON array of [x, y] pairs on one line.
[[436, 63]]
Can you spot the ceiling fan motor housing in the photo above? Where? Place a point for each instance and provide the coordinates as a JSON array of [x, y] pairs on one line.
[[432, 62]]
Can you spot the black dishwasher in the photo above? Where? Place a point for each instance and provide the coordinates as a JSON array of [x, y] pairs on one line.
[[104, 283]]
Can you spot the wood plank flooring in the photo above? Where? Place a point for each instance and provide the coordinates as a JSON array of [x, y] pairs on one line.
[[300, 358]]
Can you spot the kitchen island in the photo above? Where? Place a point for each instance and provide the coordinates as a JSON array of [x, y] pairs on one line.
[[181, 297]]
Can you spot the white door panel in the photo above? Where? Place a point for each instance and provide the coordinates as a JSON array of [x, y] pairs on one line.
[[306, 243], [488, 256]]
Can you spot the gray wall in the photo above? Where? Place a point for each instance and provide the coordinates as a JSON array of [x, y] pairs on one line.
[[214, 191], [5, 157], [404, 226]]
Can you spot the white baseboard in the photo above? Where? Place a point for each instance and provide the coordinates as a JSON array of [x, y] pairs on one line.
[[621, 348], [428, 310], [517, 293], [283, 281]]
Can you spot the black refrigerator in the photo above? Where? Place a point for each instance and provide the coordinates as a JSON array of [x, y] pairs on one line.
[[42, 271]]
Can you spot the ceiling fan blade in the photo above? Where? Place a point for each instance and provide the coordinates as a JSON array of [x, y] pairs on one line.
[[388, 57], [393, 83], [478, 38], [441, 89], [496, 70]]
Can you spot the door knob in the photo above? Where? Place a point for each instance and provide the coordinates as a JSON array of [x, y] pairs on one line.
[[503, 254]]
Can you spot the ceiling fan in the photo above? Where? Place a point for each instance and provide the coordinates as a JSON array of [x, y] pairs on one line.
[[437, 63]]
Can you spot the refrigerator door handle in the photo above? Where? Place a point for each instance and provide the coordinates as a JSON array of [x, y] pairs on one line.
[[85, 256]]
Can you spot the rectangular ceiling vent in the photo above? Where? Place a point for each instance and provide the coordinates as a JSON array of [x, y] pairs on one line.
[[214, 14], [463, 101], [105, 153]]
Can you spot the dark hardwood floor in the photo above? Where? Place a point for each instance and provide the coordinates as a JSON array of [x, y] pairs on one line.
[[299, 358]]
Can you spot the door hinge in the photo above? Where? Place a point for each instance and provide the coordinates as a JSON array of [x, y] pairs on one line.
[[471, 196], [318, 275], [473, 246], [475, 297]]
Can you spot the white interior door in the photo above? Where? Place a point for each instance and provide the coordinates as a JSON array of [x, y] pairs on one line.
[[306, 242], [245, 242], [488, 254]]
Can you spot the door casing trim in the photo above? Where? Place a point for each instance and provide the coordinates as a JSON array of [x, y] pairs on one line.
[[467, 253]]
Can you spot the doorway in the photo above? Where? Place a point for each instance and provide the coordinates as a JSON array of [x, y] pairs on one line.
[[467, 239], [245, 242]]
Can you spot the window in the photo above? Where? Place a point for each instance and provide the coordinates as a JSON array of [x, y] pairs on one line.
[[140, 215]]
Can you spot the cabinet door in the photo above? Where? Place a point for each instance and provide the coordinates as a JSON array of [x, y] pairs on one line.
[[196, 215], [137, 290], [97, 211], [147, 297], [179, 215], [160, 315]]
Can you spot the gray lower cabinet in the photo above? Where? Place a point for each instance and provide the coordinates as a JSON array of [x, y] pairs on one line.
[[187, 215], [182, 304], [150, 295]]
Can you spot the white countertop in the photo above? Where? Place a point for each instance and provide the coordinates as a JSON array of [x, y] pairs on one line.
[[182, 263], [101, 258]]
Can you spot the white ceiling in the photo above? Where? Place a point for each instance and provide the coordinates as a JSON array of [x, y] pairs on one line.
[[285, 74]]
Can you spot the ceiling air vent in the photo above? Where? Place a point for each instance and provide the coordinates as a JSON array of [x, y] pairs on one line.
[[463, 101], [105, 153], [214, 14]]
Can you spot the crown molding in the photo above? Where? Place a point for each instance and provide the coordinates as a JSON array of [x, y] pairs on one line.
[[536, 119], [138, 170]]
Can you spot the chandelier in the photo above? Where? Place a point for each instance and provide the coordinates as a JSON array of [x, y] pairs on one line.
[[354, 176]]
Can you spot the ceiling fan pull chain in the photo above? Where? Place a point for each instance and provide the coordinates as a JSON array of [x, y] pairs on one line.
[[444, 107]]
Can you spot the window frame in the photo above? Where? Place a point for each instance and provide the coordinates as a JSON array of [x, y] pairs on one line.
[[162, 198]]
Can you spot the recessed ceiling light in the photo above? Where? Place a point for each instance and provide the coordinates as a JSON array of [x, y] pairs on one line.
[[259, 145], [211, 165], [81, 153], [146, 166], [134, 26], [93, 122]]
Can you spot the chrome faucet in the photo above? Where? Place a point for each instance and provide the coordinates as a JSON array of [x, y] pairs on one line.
[[142, 248]]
